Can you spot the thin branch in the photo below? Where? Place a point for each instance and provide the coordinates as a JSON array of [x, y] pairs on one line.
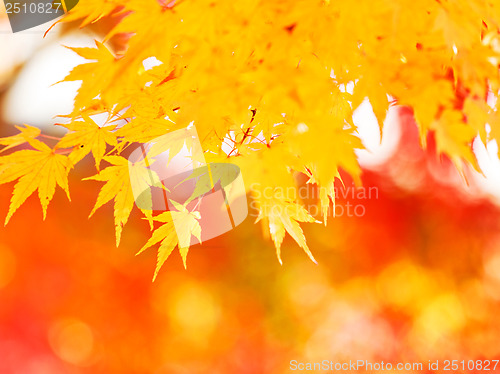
[[49, 137]]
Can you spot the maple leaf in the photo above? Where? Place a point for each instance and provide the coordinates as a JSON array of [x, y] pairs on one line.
[[371, 88], [167, 236], [454, 138], [91, 10], [122, 179], [187, 225], [144, 128], [117, 187], [142, 178], [86, 136], [177, 230], [276, 83], [206, 178], [283, 216], [39, 169], [95, 76], [27, 132]]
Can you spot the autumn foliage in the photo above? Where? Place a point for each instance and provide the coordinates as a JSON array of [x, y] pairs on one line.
[[275, 81]]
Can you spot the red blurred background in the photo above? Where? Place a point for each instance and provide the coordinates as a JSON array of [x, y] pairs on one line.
[[416, 278]]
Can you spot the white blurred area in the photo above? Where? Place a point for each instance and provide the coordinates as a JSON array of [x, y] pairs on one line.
[[378, 150], [487, 157], [33, 97], [16, 48]]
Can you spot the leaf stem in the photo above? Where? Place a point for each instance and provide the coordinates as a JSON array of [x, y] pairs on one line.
[[49, 137], [63, 152]]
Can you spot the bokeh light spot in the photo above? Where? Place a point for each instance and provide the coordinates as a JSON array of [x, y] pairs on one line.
[[72, 341], [442, 317], [404, 285], [194, 311]]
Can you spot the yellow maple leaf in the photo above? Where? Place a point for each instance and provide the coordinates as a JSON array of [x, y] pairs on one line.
[[86, 136], [144, 128], [39, 169], [117, 187], [177, 230], [168, 237], [454, 138], [269, 82], [91, 10], [95, 76], [283, 216], [27, 132], [122, 179], [187, 225]]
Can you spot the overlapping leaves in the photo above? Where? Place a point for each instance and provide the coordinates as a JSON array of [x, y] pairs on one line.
[[265, 83]]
